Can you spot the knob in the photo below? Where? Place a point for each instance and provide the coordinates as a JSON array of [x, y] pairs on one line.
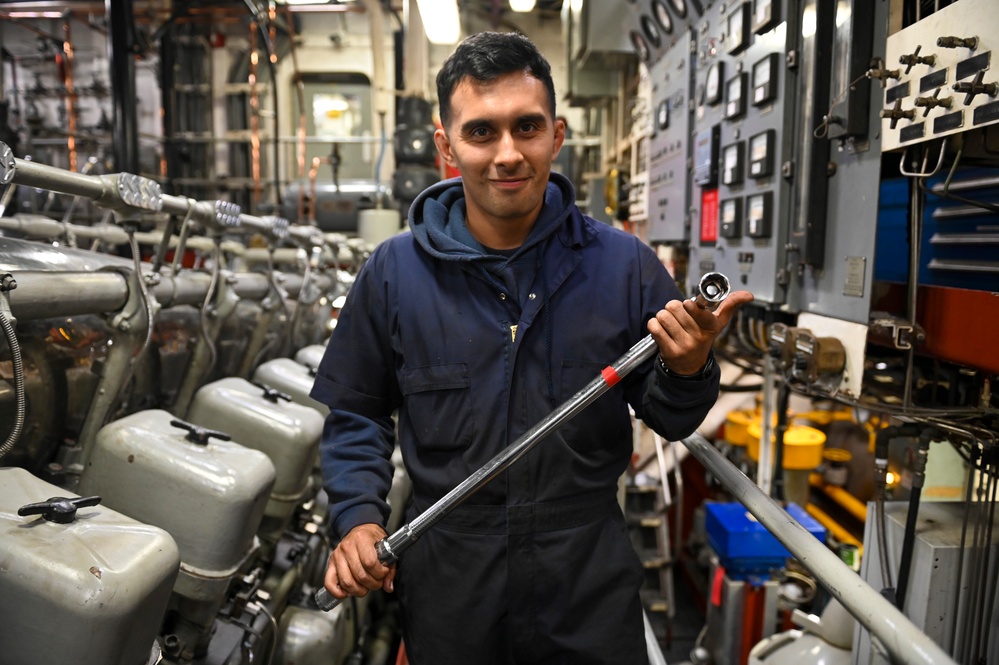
[[58, 509], [976, 87], [896, 113], [882, 74], [915, 59], [929, 102], [272, 395], [958, 42], [199, 435]]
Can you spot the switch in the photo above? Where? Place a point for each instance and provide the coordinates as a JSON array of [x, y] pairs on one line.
[[958, 42], [976, 87], [914, 58], [928, 103], [896, 113]]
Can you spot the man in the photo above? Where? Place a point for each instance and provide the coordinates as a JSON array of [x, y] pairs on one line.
[[501, 304]]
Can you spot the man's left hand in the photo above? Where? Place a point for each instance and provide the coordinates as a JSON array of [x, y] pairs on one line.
[[685, 333]]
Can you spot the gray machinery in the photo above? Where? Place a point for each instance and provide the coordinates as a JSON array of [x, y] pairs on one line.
[[80, 583]]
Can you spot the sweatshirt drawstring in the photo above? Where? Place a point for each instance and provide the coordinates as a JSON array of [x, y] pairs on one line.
[[547, 311]]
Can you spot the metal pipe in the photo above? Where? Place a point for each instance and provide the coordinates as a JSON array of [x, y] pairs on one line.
[[254, 118], [67, 79], [390, 548], [899, 635], [121, 57], [844, 499]]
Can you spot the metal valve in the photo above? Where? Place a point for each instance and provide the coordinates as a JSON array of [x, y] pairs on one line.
[[912, 59], [883, 74], [958, 42], [199, 435], [928, 103], [896, 113], [58, 509], [976, 87]]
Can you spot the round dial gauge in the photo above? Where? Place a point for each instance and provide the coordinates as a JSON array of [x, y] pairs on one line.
[[641, 48], [662, 114], [712, 85], [651, 31], [662, 16], [680, 7]]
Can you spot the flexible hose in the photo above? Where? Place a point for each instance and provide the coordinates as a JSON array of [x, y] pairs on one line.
[[909, 539], [203, 328], [146, 304], [15, 353]]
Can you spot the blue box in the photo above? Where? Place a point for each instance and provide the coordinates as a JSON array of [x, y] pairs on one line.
[[743, 545]]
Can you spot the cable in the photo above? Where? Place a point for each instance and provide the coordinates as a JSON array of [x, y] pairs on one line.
[[15, 354], [909, 539], [146, 304], [203, 328]]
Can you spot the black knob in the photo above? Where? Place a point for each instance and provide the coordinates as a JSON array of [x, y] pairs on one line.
[[272, 395], [199, 435], [58, 509]]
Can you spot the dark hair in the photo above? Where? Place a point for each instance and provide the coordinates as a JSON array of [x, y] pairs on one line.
[[486, 56]]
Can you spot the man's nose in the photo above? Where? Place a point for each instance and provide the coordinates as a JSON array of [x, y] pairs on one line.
[[508, 152]]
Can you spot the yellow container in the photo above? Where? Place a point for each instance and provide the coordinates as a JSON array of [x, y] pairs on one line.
[[802, 446], [736, 428]]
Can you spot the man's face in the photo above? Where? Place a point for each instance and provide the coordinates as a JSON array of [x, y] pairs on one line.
[[502, 139]]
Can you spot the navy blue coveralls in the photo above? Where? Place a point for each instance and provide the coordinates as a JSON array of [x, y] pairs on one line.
[[472, 349]]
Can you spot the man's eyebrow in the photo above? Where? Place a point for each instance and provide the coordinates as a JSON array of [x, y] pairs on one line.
[[475, 123]]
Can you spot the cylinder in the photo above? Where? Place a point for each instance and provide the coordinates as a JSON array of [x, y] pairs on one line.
[[377, 225]]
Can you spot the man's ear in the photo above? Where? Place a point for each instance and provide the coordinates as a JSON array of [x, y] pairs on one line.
[[444, 148], [559, 137]]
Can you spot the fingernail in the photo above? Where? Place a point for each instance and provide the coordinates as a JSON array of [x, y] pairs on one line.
[[391, 586]]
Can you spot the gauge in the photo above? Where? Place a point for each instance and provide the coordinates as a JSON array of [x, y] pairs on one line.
[[662, 115], [761, 154], [651, 31], [765, 79], [641, 48], [738, 29], [712, 84], [735, 97], [732, 168], [765, 16], [758, 215], [680, 7], [730, 216], [662, 16]]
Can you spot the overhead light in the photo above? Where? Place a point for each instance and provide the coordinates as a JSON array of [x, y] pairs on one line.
[[521, 5], [440, 20]]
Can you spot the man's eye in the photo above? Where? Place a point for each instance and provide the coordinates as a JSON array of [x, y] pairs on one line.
[[528, 127], [480, 132]]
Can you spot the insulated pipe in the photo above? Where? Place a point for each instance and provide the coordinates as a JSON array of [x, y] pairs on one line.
[[711, 292], [906, 642]]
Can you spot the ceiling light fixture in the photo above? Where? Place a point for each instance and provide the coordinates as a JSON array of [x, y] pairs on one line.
[[521, 5], [440, 20]]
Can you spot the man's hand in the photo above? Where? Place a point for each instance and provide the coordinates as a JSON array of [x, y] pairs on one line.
[[354, 568], [684, 332]]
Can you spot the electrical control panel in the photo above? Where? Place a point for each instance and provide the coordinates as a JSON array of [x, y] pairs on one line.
[[743, 113], [669, 144], [939, 75]]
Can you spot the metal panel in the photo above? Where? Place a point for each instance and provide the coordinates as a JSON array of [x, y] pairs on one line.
[[945, 85], [842, 289], [725, 59]]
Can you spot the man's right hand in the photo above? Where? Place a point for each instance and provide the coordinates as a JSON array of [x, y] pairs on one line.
[[354, 568]]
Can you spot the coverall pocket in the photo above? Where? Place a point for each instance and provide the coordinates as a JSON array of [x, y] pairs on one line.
[[604, 423], [438, 406]]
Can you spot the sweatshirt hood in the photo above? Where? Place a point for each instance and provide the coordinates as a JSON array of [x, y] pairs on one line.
[[437, 220]]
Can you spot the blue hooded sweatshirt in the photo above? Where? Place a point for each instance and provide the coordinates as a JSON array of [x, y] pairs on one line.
[[469, 349]]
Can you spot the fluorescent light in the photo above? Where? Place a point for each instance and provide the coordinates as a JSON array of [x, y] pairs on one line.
[[440, 20], [521, 5]]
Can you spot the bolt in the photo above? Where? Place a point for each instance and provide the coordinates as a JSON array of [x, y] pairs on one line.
[[7, 282]]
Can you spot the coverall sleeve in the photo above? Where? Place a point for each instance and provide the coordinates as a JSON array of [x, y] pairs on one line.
[[357, 380], [672, 406]]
